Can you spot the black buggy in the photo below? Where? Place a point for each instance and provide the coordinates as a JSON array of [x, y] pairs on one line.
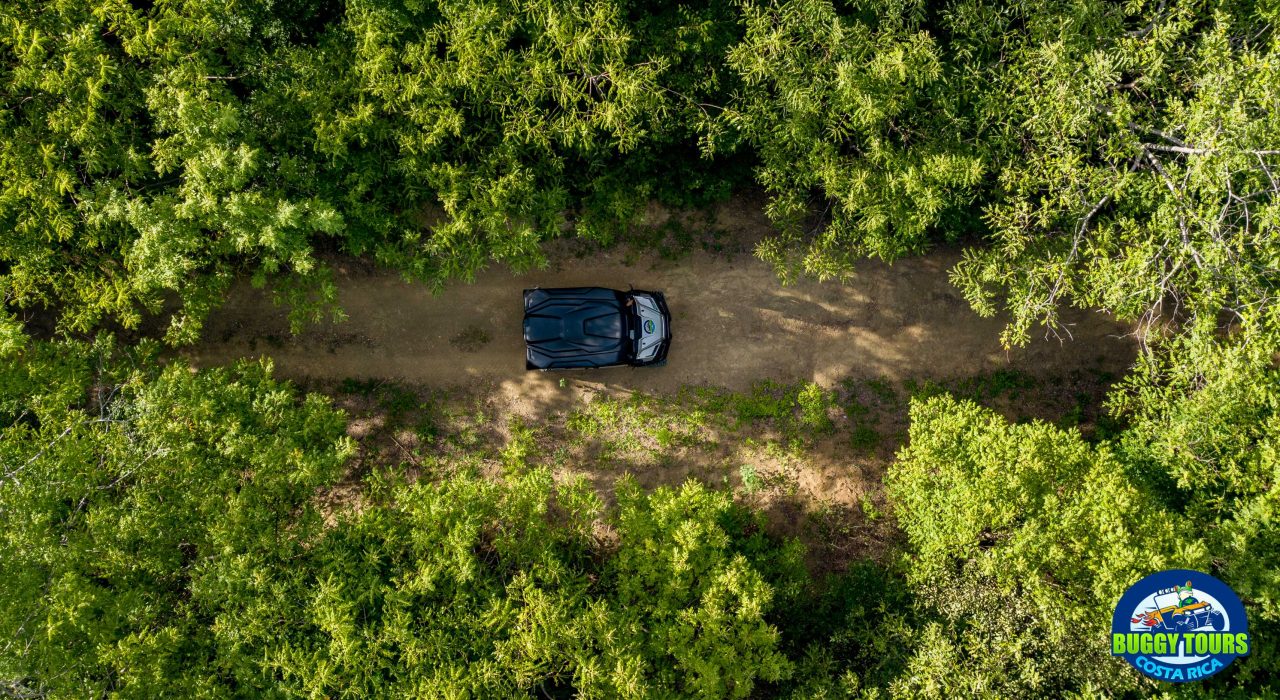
[[588, 327]]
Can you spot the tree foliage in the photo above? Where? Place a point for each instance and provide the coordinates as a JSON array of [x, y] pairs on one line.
[[140, 161], [472, 588], [135, 508], [1023, 537], [161, 536], [1136, 166], [153, 151], [854, 107]]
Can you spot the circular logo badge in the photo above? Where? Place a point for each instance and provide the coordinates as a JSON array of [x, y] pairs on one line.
[[1179, 625], [649, 326]]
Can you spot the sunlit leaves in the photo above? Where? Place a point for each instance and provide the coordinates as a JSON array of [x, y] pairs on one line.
[[858, 111], [1023, 536], [136, 506], [161, 536]]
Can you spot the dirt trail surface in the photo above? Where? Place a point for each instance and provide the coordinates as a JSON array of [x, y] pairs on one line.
[[733, 325]]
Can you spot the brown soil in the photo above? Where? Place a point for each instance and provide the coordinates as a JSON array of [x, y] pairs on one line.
[[733, 325]]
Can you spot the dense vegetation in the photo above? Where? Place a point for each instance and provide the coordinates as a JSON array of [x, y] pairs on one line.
[[158, 526]]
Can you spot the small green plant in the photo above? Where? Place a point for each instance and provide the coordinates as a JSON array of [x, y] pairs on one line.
[[767, 400], [814, 402], [853, 408], [864, 437], [515, 455], [587, 422], [922, 389], [426, 428], [870, 510], [882, 390], [751, 482], [665, 437]]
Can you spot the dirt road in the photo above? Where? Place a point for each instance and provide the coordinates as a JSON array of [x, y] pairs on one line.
[[733, 324]]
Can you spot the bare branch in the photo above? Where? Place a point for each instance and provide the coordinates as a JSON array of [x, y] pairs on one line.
[[1274, 187], [1168, 137], [1202, 151], [1079, 237], [14, 472], [1143, 31], [1177, 195]]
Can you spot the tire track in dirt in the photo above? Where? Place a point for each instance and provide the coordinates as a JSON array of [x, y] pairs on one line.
[[733, 324]]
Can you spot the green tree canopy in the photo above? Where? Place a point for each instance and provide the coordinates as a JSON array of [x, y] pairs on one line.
[[136, 507], [857, 109], [1023, 538], [154, 151], [1136, 165], [161, 536]]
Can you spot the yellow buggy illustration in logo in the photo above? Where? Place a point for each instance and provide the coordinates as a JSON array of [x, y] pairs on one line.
[[1181, 611]]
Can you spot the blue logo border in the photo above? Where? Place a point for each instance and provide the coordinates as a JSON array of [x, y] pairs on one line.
[[1135, 594]]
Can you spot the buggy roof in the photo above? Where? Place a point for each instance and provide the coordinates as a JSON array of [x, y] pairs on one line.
[[575, 327]]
